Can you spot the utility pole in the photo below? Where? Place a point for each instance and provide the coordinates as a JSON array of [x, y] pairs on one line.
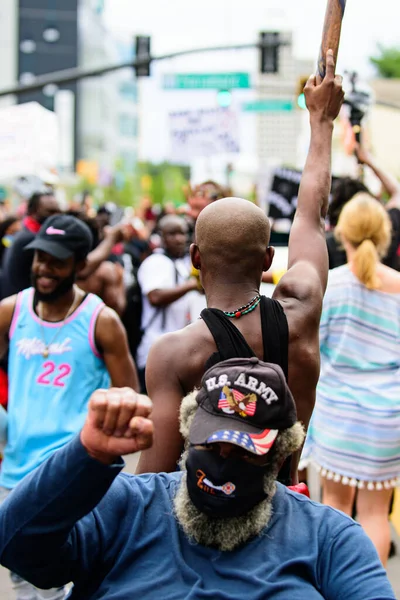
[[139, 64]]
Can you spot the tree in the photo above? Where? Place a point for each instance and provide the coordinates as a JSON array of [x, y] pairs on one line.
[[388, 63], [167, 181]]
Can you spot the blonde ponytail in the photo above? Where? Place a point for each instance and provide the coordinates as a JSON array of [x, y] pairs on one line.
[[365, 225], [365, 263]]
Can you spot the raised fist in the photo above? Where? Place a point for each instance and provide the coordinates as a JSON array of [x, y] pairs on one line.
[[325, 97], [117, 424]]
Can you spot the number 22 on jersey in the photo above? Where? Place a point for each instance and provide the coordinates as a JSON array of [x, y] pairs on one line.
[[54, 375]]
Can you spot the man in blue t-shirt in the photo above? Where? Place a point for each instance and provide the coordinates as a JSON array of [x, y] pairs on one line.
[[221, 528]]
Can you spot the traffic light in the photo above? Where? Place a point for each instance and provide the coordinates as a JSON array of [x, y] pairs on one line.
[[224, 98], [269, 51], [142, 52], [301, 99]]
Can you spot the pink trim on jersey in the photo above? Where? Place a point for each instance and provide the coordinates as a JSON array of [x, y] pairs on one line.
[[92, 327], [59, 323], [15, 316]]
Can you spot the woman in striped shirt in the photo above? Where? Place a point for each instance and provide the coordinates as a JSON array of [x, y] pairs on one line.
[[354, 435]]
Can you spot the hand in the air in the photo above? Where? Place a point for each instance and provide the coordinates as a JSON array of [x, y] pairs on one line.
[[325, 97], [114, 233], [362, 155], [117, 424]]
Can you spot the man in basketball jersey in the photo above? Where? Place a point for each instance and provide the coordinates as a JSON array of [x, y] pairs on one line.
[[63, 345], [232, 251]]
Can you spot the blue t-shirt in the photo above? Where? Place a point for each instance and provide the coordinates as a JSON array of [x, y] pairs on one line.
[[128, 544]]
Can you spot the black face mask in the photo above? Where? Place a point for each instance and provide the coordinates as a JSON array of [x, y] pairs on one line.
[[223, 487]]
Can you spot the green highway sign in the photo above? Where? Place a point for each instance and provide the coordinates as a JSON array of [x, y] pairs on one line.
[[269, 105], [207, 81]]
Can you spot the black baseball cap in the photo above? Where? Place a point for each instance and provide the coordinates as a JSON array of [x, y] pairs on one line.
[[245, 402], [63, 236]]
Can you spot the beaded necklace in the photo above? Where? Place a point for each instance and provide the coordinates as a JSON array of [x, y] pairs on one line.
[[244, 310]]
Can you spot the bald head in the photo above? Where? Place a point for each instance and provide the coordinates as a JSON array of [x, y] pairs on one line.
[[171, 221], [173, 231], [234, 234]]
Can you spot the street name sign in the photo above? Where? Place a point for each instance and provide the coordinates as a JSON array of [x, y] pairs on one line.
[[207, 81], [269, 105]]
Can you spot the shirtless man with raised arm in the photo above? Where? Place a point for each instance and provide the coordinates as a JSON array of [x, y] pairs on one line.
[[232, 251]]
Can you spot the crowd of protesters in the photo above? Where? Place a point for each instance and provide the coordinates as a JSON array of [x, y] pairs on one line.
[[141, 268], [125, 264]]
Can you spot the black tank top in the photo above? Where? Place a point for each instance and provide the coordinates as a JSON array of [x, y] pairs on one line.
[[231, 344]]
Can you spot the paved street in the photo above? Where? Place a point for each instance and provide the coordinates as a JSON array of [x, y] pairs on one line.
[[393, 568]]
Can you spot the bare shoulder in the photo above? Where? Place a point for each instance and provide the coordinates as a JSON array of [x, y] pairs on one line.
[[390, 279], [108, 317], [301, 293], [108, 323], [8, 304], [7, 307], [182, 355], [179, 345], [107, 270], [301, 282]]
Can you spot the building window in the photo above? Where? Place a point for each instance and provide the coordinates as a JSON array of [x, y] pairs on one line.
[[26, 78], [128, 91], [27, 46], [51, 35], [128, 125]]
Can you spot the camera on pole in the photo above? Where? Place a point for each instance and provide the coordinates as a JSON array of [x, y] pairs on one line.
[[359, 101], [142, 54]]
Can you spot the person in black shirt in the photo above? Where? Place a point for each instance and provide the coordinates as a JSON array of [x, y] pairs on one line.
[[16, 262], [343, 191]]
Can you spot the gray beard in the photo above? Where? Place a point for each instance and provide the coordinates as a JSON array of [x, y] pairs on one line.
[[223, 534]]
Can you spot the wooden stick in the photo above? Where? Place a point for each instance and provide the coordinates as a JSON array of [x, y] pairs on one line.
[[331, 33]]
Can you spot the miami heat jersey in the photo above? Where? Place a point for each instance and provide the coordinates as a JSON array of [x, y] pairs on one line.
[[48, 389]]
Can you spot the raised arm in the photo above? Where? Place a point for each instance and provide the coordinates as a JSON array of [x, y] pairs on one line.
[[113, 287], [301, 289], [391, 186], [57, 508], [308, 260], [94, 259]]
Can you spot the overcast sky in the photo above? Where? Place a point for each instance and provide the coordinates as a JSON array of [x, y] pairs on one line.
[[176, 24], [180, 24]]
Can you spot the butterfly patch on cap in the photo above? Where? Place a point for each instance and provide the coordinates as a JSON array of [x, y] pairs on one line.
[[232, 401]]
